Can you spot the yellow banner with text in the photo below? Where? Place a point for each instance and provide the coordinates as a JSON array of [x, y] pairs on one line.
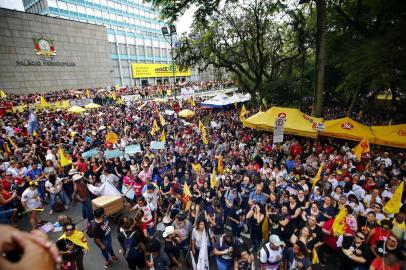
[[158, 70]]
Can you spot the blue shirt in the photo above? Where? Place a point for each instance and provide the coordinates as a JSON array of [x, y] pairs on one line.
[[226, 259], [259, 198], [290, 165], [33, 173]]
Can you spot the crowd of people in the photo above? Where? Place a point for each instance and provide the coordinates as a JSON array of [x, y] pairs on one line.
[[247, 201], [146, 90]]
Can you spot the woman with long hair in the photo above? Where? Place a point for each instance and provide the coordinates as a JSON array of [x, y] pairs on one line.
[[255, 218], [245, 260], [200, 231]]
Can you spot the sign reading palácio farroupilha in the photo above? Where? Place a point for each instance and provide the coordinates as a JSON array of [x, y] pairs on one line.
[[46, 51]]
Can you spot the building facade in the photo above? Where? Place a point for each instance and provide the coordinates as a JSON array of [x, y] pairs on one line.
[[133, 30], [44, 54]]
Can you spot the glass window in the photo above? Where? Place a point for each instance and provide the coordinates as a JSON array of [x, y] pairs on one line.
[[119, 18], [156, 52], [149, 51], [71, 7], [104, 3], [97, 13], [130, 9], [163, 53], [90, 11], [81, 9], [122, 49], [124, 7], [141, 50], [110, 4], [113, 50], [105, 15]]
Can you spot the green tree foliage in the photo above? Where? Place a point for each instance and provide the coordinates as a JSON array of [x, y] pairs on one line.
[[270, 47]]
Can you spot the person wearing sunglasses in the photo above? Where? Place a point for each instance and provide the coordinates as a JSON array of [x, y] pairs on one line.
[[72, 245], [355, 253]]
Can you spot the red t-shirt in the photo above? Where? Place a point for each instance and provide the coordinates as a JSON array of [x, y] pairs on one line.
[[295, 150], [378, 264]]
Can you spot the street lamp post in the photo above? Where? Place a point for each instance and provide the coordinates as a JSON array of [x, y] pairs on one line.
[[169, 34]]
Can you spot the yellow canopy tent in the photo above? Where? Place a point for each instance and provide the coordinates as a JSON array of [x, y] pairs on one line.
[[76, 109], [92, 106], [297, 122], [394, 136], [346, 128], [186, 113]]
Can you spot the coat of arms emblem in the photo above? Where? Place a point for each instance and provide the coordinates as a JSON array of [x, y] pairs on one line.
[[44, 48]]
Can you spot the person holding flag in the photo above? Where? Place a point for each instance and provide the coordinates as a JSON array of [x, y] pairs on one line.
[[72, 245]]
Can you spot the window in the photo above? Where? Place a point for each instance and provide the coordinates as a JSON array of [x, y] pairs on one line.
[[90, 11], [164, 53], [156, 52], [132, 50], [141, 50], [148, 51], [105, 15], [122, 49], [97, 13], [113, 49], [81, 9]]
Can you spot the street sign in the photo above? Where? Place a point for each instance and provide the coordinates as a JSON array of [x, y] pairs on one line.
[[278, 130]]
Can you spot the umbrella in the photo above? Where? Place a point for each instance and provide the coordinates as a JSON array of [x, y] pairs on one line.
[[186, 113], [76, 109], [92, 106]]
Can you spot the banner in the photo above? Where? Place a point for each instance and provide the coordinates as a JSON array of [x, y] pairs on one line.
[[113, 153], [187, 93], [278, 130], [80, 102], [158, 70], [132, 149], [155, 145], [90, 153], [131, 98]]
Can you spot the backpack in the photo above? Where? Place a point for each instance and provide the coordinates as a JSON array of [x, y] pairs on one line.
[[90, 228], [131, 248]]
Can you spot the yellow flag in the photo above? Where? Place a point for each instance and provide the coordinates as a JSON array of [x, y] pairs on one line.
[[340, 223], [63, 159], [315, 256], [111, 137], [162, 120], [265, 229], [78, 238], [361, 148], [192, 102], [87, 92], [213, 179], [113, 96], [316, 178], [196, 167], [393, 205], [203, 131], [120, 101], [3, 94], [186, 190], [163, 136], [12, 143], [34, 133], [155, 128], [6, 147], [220, 164], [243, 113], [236, 105], [42, 102]]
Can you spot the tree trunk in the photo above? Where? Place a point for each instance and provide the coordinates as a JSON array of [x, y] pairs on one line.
[[354, 99], [320, 58]]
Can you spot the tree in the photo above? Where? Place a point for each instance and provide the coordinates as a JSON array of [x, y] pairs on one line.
[[249, 39]]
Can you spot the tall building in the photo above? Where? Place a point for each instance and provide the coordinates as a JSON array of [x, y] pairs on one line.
[[134, 35]]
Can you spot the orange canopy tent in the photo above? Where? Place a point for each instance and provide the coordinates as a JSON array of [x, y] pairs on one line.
[[394, 136], [346, 128]]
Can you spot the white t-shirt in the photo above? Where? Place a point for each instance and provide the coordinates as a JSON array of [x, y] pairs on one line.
[[13, 171], [147, 214], [198, 238], [358, 191], [151, 198], [31, 198], [367, 200], [274, 256]]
